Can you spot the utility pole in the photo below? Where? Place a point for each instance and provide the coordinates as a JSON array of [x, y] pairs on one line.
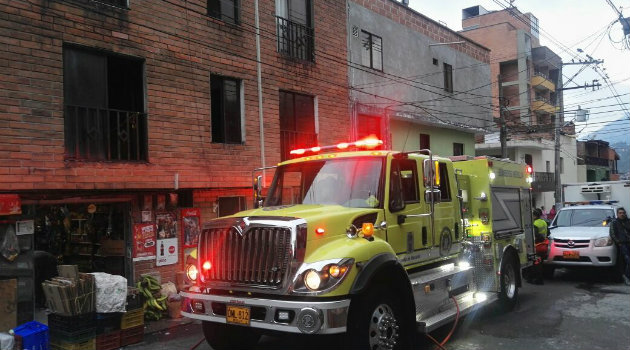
[[502, 127]]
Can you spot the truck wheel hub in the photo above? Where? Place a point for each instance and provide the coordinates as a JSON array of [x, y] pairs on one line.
[[383, 328]]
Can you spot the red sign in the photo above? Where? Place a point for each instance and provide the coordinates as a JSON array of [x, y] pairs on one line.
[[144, 240], [10, 204], [191, 226]]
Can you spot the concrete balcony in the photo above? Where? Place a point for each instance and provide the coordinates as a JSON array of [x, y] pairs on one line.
[[541, 82], [542, 105]]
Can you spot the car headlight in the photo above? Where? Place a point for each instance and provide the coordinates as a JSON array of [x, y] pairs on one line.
[[603, 242], [321, 276], [192, 272]]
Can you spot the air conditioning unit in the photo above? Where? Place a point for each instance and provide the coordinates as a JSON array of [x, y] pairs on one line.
[[596, 189]]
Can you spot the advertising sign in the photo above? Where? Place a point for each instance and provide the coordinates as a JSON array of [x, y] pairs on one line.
[[144, 241], [166, 252], [191, 226], [166, 225], [10, 204]]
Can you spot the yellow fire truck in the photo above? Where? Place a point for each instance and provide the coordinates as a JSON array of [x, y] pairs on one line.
[[372, 243]]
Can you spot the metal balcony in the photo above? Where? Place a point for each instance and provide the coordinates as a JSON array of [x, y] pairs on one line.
[[100, 134], [544, 182], [295, 40]]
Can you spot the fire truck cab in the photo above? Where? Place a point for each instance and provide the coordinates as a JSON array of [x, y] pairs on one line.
[[373, 243]]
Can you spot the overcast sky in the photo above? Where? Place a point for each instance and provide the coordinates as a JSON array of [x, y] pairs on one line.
[[583, 24]]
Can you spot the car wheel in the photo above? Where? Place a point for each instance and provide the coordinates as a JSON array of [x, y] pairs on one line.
[[220, 336], [509, 283], [376, 322], [548, 271]]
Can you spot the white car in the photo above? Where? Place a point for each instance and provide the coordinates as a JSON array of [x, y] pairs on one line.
[[579, 236]]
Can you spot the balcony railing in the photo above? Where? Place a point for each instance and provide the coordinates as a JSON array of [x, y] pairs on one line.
[[597, 161], [290, 140], [541, 81], [295, 40], [99, 134], [544, 182]]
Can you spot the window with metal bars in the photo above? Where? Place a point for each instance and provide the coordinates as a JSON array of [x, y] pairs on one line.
[[117, 3], [372, 53], [226, 109], [294, 24], [297, 122], [225, 10], [104, 104], [448, 77]]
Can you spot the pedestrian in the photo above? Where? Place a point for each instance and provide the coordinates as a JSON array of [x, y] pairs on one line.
[[540, 237], [620, 234], [543, 214], [552, 213]]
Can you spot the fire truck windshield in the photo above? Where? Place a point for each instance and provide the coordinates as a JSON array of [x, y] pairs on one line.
[[350, 182]]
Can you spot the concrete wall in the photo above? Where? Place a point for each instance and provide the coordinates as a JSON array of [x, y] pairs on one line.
[[406, 136], [409, 73]]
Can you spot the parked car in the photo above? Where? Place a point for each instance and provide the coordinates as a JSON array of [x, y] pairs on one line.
[[579, 236]]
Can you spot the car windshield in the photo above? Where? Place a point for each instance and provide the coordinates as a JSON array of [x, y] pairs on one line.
[[350, 182], [582, 217]]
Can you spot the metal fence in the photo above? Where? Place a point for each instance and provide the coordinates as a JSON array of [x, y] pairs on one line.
[[295, 40]]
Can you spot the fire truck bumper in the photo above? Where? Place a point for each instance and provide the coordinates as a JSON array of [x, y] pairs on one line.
[[309, 317]]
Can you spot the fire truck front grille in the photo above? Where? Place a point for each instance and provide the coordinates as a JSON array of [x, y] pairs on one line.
[[258, 257]]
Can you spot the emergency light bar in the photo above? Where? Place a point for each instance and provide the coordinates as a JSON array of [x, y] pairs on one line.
[[593, 202], [365, 143]]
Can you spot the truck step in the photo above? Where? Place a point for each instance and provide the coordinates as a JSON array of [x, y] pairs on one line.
[[437, 273], [467, 302]]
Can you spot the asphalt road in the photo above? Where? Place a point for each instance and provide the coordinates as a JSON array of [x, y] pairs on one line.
[[578, 309]]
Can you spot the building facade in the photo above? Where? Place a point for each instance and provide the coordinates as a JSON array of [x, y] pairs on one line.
[[527, 90], [117, 117], [409, 86], [599, 160]]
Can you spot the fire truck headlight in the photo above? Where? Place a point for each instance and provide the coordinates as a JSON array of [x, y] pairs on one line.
[[603, 242], [492, 175], [191, 272], [312, 280], [322, 276]]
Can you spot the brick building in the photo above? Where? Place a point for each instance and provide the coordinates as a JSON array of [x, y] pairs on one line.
[[527, 84], [115, 113], [599, 160]]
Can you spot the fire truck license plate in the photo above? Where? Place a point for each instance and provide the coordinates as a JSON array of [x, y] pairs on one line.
[[237, 315], [572, 254]]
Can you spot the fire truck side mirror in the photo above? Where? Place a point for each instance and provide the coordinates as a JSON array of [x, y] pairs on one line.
[[435, 196], [257, 191]]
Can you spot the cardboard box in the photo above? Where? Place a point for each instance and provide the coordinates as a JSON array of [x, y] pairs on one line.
[[70, 297], [8, 304], [113, 247], [68, 271]]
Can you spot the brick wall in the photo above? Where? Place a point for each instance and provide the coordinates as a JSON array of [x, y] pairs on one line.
[[181, 46], [397, 12]]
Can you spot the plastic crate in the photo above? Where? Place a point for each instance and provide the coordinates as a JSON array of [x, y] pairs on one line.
[[69, 324], [108, 341], [72, 337], [132, 319], [34, 335], [131, 335], [107, 322], [86, 345]]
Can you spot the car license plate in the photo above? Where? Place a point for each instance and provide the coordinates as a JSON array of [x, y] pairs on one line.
[[571, 254], [238, 315]]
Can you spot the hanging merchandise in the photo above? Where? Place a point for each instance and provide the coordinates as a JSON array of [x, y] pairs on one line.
[[9, 244]]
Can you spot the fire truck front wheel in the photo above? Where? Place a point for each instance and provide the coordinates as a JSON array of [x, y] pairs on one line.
[[376, 321], [509, 282], [221, 336]]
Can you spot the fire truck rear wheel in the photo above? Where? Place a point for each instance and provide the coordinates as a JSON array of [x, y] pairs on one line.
[[509, 283], [376, 321], [221, 336]]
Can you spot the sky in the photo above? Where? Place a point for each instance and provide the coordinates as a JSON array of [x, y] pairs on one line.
[[575, 24]]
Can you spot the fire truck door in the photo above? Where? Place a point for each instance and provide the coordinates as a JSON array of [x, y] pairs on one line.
[[404, 231]]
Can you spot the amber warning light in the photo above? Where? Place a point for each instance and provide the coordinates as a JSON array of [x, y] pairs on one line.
[[367, 143]]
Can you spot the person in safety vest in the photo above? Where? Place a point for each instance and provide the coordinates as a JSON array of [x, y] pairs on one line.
[[540, 235]]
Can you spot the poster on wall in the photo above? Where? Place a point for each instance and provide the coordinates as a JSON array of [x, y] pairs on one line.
[[143, 242], [191, 226], [166, 225], [167, 252]]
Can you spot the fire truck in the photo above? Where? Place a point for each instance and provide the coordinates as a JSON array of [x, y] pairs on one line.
[[372, 243]]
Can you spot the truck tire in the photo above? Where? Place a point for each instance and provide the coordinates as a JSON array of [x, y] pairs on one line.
[[220, 336], [509, 284], [376, 321]]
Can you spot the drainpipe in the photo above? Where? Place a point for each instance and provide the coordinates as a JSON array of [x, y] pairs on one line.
[[260, 99]]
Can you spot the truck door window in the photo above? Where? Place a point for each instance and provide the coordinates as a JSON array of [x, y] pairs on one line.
[[445, 187], [396, 200], [409, 180]]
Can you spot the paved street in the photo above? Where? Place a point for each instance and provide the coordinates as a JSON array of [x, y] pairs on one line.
[[577, 310]]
